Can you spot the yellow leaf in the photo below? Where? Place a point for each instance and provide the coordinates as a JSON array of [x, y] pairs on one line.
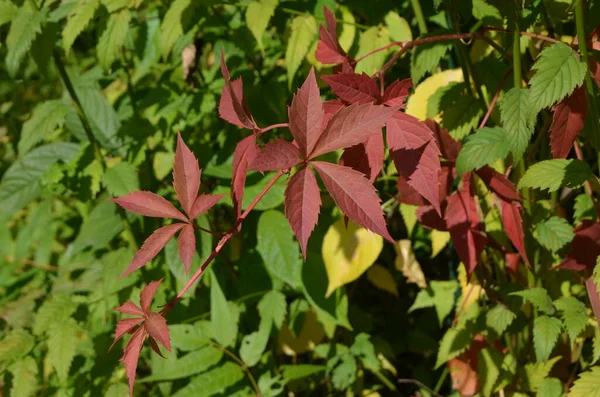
[[439, 240], [470, 292], [311, 335], [409, 214], [382, 278], [417, 102], [399, 27], [347, 253], [346, 38], [407, 263]]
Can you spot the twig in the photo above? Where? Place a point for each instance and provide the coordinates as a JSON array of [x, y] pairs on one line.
[[495, 99]]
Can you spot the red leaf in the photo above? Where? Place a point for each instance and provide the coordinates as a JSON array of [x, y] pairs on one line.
[[567, 122], [147, 294], [124, 326], [447, 145], [186, 242], [498, 183], [330, 108], [156, 325], [430, 218], [131, 355], [279, 155], [355, 195], [512, 262], [366, 157], [149, 204], [592, 290], [186, 175], [585, 248], [350, 126], [464, 224], [463, 371], [302, 204], [397, 92], [154, 346], [513, 225], [243, 155], [408, 195], [130, 308], [224, 69], [203, 203], [152, 246], [306, 114], [329, 50], [232, 106], [416, 155], [353, 88], [595, 70]]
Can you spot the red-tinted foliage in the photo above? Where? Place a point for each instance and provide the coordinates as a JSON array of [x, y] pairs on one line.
[[585, 248], [329, 50], [447, 145], [354, 88], [244, 154], [186, 175], [513, 225], [397, 92], [279, 155], [366, 157], [306, 115], [149, 204], [232, 106], [498, 183], [567, 122], [430, 218]]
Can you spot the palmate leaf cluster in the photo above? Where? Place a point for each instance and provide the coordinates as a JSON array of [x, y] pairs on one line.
[[436, 215]]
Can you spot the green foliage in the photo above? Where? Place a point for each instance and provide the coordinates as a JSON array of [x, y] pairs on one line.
[[61, 349], [483, 148], [23, 29], [424, 59], [258, 15], [545, 334], [574, 315], [499, 318], [372, 39], [587, 384], [439, 295], [554, 174], [224, 315], [554, 233], [538, 297], [45, 119], [78, 19], [113, 38], [303, 31], [518, 120]]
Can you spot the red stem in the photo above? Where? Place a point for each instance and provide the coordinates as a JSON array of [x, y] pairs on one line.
[[496, 96], [588, 185], [280, 125], [385, 47], [206, 230], [220, 245]]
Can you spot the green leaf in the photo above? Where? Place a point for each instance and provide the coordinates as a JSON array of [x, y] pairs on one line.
[[104, 120], [278, 248], [113, 38], [43, 46], [102, 225], [363, 349], [45, 119], [554, 233], [254, 344], [258, 15], [455, 341], [557, 173], [21, 182], [486, 12], [121, 179], [545, 335], [398, 27], [116, 5], [538, 297], [426, 58], [189, 364], [299, 371], [499, 318], [587, 385], [23, 29], [273, 307], [212, 382], [482, 148], [25, 375], [558, 72], [574, 315], [440, 295], [303, 32], [344, 374], [8, 11], [223, 315], [488, 369], [189, 337], [171, 28], [460, 115], [372, 39], [56, 309], [61, 346], [79, 17], [15, 344], [584, 208], [517, 120], [536, 373], [550, 387]]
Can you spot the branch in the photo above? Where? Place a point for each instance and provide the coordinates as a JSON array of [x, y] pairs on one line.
[[271, 127]]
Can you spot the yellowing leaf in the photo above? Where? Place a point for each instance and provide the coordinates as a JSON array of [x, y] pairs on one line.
[[439, 240], [399, 27], [312, 333], [382, 278], [409, 214], [469, 292], [407, 263], [418, 101], [346, 38], [371, 39], [347, 253]]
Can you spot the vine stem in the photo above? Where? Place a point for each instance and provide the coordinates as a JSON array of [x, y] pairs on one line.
[[416, 6], [220, 245], [206, 230], [271, 127], [241, 364], [588, 185], [495, 99]]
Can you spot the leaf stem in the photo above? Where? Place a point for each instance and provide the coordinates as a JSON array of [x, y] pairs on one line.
[[220, 245], [495, 99], [271, 127], [207, 230], [416, 6], [241, 364]]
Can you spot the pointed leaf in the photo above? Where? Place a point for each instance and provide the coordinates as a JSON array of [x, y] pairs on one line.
[[302, 204], [329, 50], [545, 335], [330, 108], [350, 126], [232, 105], [517, 119], [587, 385], [306, 114], [483, 148], [23, 29], [61, 347], [416, 155], [203, 203], [448, 146], [244, 154], [397, 92], [567, 122], [147, 294], [554, 174], [124, 326], [130, 308], [258, 14], [152, 246], [513, 225], [186, 175], [78, 19], [131, 355], [498, 183], [279, 155], [585, 248], [156, 325], [113, 38], [149, 204], [186, 243], [353, 88], [302, 36], [554, 233], [366, 157], [355, 196]]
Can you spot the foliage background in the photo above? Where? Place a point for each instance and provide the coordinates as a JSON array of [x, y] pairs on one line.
[[92, 95]]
